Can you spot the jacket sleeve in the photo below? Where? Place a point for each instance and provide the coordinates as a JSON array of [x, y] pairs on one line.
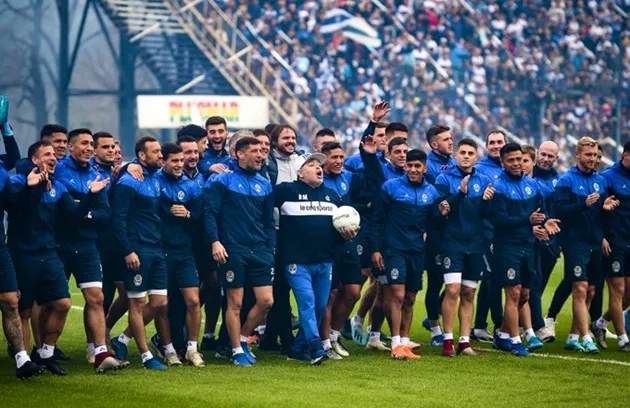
[[372, 169], [369, 130], [441, 185], [76, 209], [213, 199], [100, 212], [204, 166], [356, 192], [381, 207], [12, 154], [269, 223], [566, 206], [123, 197], [500, 217], [195, 206]]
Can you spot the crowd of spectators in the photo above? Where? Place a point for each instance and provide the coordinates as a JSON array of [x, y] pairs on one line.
[[549, 68]]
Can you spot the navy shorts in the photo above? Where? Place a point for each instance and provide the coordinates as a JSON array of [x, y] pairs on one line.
[[40, 277], [347, 265], [582, 263], [8, 280], [182, 271], [251, 269], [113, 263], [206, 266], [617, 264], [470, 267], [85, 265], [363, 247], [402, 268], [515, 265], [152, 275]]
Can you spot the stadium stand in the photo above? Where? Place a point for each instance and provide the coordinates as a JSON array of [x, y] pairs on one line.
[[557, 68]]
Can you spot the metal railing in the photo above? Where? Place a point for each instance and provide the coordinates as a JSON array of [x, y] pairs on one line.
[[239, 61]]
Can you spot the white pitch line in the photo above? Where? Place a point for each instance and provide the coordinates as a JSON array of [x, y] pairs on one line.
[[556, 356]]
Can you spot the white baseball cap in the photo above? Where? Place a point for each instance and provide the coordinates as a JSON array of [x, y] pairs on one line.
[[301, 160]]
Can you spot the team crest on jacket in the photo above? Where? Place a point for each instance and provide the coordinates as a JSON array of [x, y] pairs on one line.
[[447, 262], [616, 267], [528, 190], [89, 184], [359, 250], [344, 187], [476, 187], [394, 273], [292, 269], [596, 186], [52, 192], [327, 198], [554, 182], [577, 271], [137, 280], [229, 276], [257, 188], [511, 274], [424, 198], [181, 195], [438, 260]]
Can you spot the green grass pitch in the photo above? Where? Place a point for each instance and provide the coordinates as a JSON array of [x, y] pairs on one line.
[[365, 379]]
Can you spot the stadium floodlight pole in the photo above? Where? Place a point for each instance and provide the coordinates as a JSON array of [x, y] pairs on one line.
[[201, 77], [157, 25]]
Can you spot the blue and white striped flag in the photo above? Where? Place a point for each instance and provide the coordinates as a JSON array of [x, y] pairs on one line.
[[354, 28], [335, 20]]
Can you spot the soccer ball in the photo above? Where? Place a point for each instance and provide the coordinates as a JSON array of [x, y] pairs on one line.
[[346, 217]]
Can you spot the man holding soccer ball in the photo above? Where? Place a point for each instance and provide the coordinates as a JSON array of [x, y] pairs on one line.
[[306, 206]]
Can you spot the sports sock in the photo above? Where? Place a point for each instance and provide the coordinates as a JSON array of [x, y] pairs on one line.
[[436, 331], [46, 351], [238, 350], [464, 339], [169, 349], [573, 337], [395, 341], [404, 341], [448, 336], [243, 339], [375, 336], [326, 344], [503, 335], [357, 320], [100, 349], [21, 358], [586, 338], [334, 335], [192, 345], [601, 323], [146, 357], [623, 339], [90, 348], [515, 339], [209, 335], [529, 333], [124, 339]]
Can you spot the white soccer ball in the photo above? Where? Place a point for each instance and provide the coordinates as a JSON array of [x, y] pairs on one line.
[[346, 217]]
